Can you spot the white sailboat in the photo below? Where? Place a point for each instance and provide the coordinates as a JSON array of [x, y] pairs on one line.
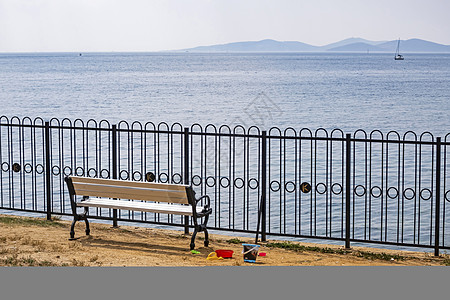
[[398, 56]]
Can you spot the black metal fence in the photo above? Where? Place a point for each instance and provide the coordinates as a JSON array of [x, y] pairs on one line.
[[361, 187]]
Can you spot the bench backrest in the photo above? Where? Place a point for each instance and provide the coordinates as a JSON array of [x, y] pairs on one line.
[[111, 188]]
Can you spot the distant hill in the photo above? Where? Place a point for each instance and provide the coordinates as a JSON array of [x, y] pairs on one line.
[[264, 45], [347, 45], [349, 42], [357, 47], [415, 45]]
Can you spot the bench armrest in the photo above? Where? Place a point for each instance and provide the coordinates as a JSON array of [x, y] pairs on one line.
[[208, 203], [206, 211]]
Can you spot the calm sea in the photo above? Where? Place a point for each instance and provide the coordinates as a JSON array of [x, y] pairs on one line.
[[346, 91]]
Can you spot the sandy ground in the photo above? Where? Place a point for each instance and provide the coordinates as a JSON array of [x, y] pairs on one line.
[[36, 242]]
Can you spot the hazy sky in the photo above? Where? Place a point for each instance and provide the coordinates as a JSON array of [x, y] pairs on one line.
[[153, 25]]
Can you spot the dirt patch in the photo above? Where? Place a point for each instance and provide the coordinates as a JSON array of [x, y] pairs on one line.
[[37, 242]]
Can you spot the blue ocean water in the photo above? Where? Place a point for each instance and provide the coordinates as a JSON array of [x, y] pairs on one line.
[[346, 91]]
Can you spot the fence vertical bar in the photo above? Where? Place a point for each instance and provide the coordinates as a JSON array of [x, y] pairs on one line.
[[186, 172], [263, 184], [47, 170], [347, 189], [114, 165], [438, 197]]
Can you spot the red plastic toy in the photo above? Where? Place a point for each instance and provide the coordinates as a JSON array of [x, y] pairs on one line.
[[225, 253]]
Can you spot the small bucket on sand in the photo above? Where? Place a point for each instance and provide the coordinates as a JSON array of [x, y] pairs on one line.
[[250, 252], [225, 253]]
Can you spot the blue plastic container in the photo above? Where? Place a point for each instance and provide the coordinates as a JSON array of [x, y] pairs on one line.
[[250, 252]]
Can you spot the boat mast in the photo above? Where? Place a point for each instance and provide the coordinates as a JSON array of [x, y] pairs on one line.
[[397, 52]]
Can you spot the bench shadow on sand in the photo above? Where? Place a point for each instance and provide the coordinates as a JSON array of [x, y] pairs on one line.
[[147, 247]]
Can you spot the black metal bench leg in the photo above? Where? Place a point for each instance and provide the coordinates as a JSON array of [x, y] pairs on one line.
[[88, 230], [72, 229], [193, 238]]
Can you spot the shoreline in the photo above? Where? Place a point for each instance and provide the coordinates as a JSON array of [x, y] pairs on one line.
[[28, 241]]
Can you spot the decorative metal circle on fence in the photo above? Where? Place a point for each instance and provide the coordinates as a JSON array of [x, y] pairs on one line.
[[210, 181], [426, 194], [290, 187], [321, 188], [196, 180], [39, 169], [92, 172], [104, 173], [359, 190], [224, 182], [124, 175], [5, 167], [274, 186], [28, 168], [176, 178], [79, 171], [253, 183], [67, 171], [338, 190], [390, 195], [405, 194], [137, 176], [163, 177], [56, 170], [239, 183], [376, 192]]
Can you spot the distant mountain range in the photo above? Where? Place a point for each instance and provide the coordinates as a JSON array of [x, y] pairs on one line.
[[347, 45]]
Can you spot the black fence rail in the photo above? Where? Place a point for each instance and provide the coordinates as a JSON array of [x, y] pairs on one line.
[[366, 187]]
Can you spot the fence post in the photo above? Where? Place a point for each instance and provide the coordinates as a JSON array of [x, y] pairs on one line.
[[186, 172], [347, 190], [438, 196], [114, 166], [263, 184], [48, 170]]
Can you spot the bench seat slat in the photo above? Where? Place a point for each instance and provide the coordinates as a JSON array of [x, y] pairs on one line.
[[139, 206], [166, 186], [136, 193]]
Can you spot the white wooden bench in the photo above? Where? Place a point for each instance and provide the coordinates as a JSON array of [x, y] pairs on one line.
[[155, 197]]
